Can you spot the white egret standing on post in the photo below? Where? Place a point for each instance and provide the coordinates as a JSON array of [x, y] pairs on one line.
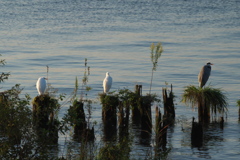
[[107, 83], [41, 85], [204, 74]]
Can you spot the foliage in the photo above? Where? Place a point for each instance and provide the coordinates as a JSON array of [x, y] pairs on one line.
[[149, 98], [47, 104], [156, 52], [109, 100], [127, 98], [111, 151], [18, 139], [85, 88], [212, 97], [3, 76], [72, 116], [238, 103], [75, 116]]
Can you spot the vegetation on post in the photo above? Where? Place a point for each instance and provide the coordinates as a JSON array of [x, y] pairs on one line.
[[76, 115], [45, 117], [112, 151], [156, 52], [208, 99], [238, 104], [3, 76]]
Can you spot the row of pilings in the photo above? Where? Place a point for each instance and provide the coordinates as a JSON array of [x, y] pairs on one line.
[[47, 124], [116, 111]]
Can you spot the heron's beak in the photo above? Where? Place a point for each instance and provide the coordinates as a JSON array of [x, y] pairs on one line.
[[46, 78], [211, 64]]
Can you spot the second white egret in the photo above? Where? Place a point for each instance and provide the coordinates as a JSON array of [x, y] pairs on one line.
[[41, 85], [107, 83]]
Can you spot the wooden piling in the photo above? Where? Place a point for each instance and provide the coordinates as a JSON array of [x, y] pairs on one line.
[[203, 112], [123, 115], [161, 129], [109, 115], [41, 112], [77, 119], [146, 114], [80, 119], [120, 115], [123, 121], [43, 116], [158, 125], [169, 109], [136, 115], [196, 134], [146, 119], [221, 122]]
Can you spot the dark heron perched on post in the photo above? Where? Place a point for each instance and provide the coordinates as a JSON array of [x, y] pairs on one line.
[[204, 74]]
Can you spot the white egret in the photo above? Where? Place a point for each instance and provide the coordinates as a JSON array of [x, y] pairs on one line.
[[107, 83], [41, 85], [204, 74]]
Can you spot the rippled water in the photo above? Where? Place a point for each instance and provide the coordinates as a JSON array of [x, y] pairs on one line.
[[115, 36]]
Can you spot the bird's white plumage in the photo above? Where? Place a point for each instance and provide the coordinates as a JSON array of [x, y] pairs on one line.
[[107, 83], [204, 74], [41, 85]]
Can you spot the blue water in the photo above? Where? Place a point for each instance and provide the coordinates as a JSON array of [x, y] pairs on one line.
[[115, 36]]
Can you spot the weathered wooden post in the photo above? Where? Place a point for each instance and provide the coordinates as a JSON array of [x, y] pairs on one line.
[[123, 115], [81, 124], [109, 115], [158, 126], [40, 111], [146, 119], [120, 115], [123, 121], [161, 129], [136, 115], [203, 112], [221, 122], [146, 114], [43, 116], [76, 118], [81, 131], [169, 110], [196, 134]]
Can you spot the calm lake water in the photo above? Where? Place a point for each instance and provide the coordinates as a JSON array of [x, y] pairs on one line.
[[115, 36]]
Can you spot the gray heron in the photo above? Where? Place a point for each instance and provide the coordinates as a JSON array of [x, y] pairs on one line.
[[204, 74]]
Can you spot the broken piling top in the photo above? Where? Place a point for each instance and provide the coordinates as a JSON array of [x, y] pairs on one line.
[[45, 103], [108, 100]]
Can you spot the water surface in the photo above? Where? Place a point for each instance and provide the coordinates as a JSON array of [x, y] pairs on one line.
[[115, 36]]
